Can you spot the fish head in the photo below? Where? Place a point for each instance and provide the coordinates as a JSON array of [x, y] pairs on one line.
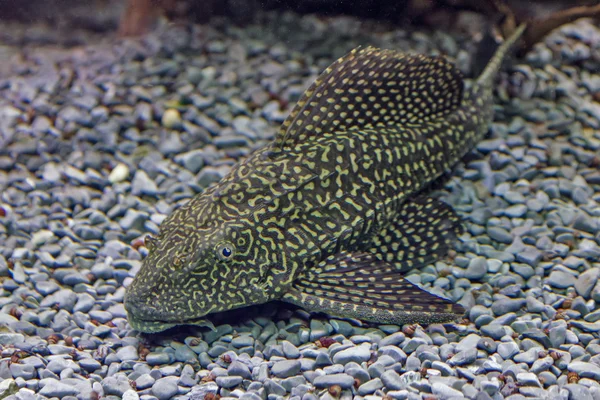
[[201, 263]]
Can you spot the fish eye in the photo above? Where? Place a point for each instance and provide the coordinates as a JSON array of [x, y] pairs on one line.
[[225, 251]]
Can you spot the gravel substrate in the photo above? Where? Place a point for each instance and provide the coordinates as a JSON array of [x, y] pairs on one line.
[[99, 143]]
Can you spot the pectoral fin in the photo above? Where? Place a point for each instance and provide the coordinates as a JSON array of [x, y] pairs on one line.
[[422, 233], [358, 285]]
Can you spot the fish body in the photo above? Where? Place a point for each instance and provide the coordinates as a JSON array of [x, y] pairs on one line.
[[328, 216]]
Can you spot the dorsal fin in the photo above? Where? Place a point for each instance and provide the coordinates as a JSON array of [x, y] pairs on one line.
[[369, 88]]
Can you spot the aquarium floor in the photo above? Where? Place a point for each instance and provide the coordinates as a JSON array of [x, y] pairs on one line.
[[99, 142]]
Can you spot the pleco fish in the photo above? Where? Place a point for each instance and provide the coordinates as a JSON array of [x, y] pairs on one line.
[[328, 216]]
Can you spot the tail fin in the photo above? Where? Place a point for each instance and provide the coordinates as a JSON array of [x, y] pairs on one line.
[[490, 71]]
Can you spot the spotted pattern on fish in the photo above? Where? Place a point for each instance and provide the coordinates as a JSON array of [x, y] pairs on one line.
[[329, 214]]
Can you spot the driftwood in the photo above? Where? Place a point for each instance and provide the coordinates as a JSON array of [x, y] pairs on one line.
[[538, 28], [140, 15]]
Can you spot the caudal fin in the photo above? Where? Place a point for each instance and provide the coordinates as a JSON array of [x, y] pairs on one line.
[[490, 71]]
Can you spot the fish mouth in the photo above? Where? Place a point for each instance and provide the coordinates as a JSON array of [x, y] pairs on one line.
[[145, 317], [155, 326]]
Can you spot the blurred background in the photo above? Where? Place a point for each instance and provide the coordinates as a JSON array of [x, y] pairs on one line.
[[135, 17]]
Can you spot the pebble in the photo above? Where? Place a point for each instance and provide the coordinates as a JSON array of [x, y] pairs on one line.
[[500, 234], [477, 269], [343, 380], [586, 281], [228, 382], [54, 388], [508, 349], [356, 354], [142, 184], [528, 379], [165, 388], [464, 357], [370, 387], [119, 173], [157, 358], [562, 280], [585, 369], [289, 350], [171, 119], [507, 305], [445, 391], [285, 369]]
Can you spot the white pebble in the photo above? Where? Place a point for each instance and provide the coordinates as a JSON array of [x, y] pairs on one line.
[[130, 395], [119, 173], [171, 118], [40, 237]]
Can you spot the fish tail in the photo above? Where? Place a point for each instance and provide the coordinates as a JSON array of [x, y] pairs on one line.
[[491, 70]]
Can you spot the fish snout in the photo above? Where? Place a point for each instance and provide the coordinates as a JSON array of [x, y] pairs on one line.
[[138, 305]]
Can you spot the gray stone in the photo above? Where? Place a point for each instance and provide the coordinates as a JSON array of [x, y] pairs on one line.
[[586, 281], [295, 381], [507, 350], [393, 352], [289, 349], [516, 211], [85, 302], [228, 382], [55, 388], [11, 339], [477, 269], [356, 354], [444, 391], [500, 234], [528, 379], [507, 305], [116, 385], [323, 360], [468, 342], [370, 387], [242, 341], [64, 298], [543, 364], [285, 369], [318, 329], [528, 356], [127, 353], [142, 184], [165, 388], [237, 368], [464, 357], [530, 256], [345, 381], [274, 388], [133, 219], [580, 392], [561, 279], [585, 369], [394, 339], [400, 382], [89, 364], [23, 371], [199, 392], [157, 358], [412, 344], [494, 330]]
